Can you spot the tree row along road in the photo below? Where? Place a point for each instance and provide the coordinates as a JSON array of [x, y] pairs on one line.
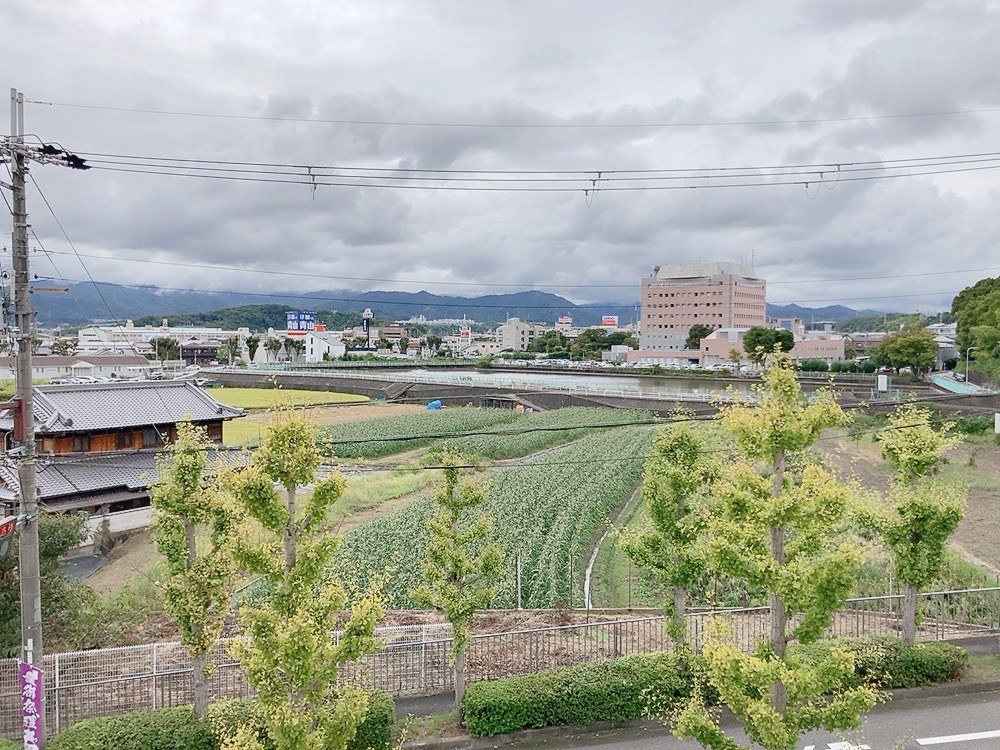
[[962, 722]]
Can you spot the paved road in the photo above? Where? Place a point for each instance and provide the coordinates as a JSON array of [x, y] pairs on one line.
[[968, 722]]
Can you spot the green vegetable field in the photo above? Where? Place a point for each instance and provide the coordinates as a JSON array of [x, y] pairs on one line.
[[549, 508]]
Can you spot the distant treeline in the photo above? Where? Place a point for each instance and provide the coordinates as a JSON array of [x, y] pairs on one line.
[[254, 317], [890, 321]]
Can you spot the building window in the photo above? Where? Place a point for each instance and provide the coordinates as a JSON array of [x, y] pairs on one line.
[[81, 443], [123, 441]]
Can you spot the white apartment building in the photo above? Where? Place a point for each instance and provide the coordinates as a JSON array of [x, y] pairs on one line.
[[516, 335]]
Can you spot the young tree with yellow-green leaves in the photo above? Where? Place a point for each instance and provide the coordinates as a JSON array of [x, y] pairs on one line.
[[674, 478], [921, 513], [197, 587], [287, 650], [775, 520], [461, 568]]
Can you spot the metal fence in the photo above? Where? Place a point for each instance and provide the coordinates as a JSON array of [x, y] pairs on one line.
[[415, 659]]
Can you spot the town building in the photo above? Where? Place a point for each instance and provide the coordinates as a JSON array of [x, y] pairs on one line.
[[97, 444], [675, 297], [54, 367], [516, 335]]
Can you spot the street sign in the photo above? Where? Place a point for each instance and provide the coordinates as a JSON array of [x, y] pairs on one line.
[[32, 691], [8, 527]]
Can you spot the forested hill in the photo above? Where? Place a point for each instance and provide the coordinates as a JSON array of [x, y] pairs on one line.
[[88, 303]]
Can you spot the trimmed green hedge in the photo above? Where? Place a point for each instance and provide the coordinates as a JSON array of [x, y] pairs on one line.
[[160, 729], [623, 689], [610, 690], [177, 728]]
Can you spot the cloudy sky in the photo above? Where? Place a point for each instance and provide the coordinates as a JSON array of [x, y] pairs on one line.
[[504, 91]]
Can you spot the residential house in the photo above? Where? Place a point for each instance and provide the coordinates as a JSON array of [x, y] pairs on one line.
[[97, 444]]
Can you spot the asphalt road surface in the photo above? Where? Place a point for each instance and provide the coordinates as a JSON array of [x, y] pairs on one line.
[[964, 722]]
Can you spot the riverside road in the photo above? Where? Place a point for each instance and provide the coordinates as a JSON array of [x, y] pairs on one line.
[[961, 722]]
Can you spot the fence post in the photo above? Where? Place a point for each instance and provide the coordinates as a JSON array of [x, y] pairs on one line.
[[56, 668], [154, 676]]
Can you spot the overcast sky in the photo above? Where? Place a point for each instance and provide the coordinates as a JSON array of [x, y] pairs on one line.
[[678, 68]]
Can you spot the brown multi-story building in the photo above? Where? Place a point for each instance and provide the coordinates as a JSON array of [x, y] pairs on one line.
[[676, 297]]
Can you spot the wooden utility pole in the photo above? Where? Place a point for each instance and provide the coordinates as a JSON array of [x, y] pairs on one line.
[[31, 596]]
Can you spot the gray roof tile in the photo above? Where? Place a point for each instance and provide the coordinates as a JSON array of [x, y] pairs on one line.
[[107, 406]]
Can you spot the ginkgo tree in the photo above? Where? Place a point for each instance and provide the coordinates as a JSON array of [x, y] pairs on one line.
[[192, 528], [921, 512], [678, 472], [288, 649], [460, 568], [775, 520]]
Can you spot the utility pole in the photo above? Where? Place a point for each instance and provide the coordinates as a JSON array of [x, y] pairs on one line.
[[31, 596]]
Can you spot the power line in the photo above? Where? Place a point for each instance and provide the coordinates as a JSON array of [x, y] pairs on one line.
[[519, 126], [598, 186]]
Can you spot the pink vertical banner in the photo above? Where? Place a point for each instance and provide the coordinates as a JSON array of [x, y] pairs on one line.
[[32, 692]]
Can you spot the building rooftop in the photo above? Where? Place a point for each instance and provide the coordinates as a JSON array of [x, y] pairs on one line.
[[108, 406], [698, 270]]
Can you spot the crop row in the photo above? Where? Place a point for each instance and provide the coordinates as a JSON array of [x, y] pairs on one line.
[[380, 437], [546, 511], [534, 432]]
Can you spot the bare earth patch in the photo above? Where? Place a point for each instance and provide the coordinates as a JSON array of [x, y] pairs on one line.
[[978, 535]]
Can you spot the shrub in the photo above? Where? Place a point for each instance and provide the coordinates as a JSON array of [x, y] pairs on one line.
[[887, 663], [813, 365], [160, 729], [178, 729], [974, 425], [634, 686], [374, 732], [610, 690]]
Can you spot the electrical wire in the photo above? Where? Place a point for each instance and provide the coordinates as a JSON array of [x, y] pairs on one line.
[[518, 126]]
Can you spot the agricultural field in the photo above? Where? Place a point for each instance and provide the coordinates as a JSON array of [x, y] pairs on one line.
[[383, 437], [550, 510], [269, 398], [530, 433]]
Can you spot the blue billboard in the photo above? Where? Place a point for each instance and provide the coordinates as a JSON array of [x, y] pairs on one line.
[[300, 320]]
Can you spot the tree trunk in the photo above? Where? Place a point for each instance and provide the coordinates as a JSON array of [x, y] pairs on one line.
[[199, 685], [191, 542], [909, 613], [779, 620], [677, 620], [459, 683], [289, 540], [677, 623]]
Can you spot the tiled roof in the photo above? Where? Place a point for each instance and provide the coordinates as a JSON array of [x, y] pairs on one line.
[[107, 406], [66, 476]]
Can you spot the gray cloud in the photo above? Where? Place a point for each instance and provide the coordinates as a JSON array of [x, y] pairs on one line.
[[671, 64]]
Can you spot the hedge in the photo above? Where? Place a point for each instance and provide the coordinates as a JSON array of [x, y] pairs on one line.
[[610, 690], [623, 689], [178, 729]]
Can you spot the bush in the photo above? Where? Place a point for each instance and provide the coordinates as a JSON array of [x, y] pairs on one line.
[[813, 365], [886, 662], [160, 729], [177, 728], [610, 690], [634, 686], [374, 733], [975, 425]]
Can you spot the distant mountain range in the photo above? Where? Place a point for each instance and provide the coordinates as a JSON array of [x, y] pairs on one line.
[[89, 303]]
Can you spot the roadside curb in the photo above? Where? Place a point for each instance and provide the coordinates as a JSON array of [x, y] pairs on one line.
[[547, 733]]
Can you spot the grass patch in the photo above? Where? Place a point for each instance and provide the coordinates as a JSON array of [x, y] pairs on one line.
[[983, 667], [433, 727], [371, 490], [269, 398]]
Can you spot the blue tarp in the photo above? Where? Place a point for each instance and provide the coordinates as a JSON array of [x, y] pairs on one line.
[[435, 404]]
